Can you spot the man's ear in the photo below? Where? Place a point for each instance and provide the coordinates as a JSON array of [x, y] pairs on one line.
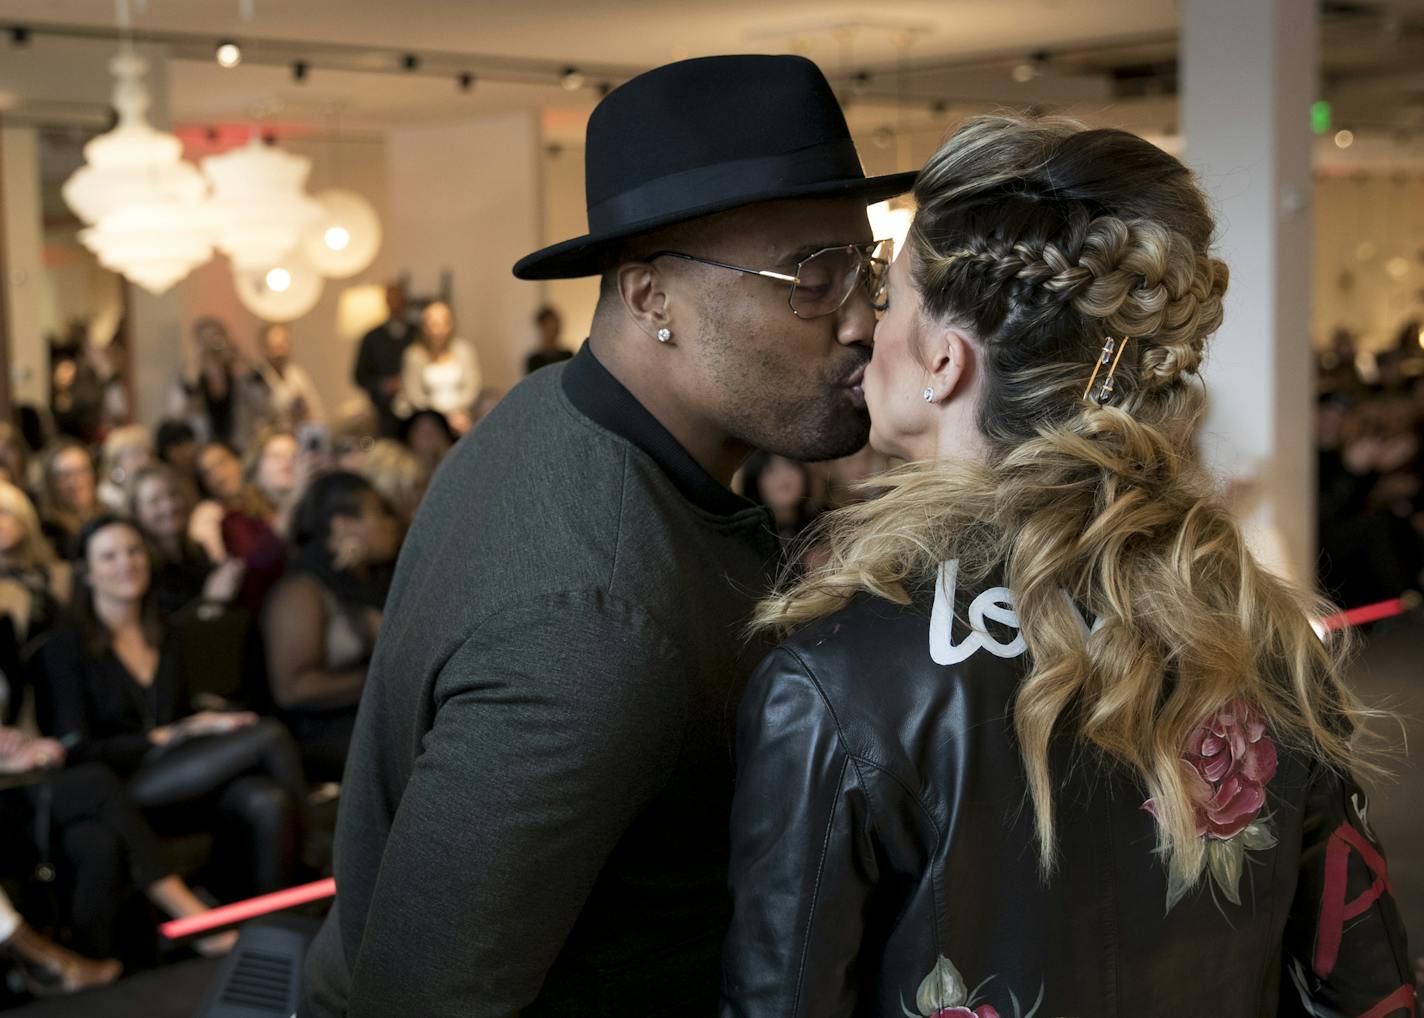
[[642, 289]]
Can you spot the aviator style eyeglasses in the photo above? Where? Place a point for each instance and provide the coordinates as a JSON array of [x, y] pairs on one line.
[[824, 280]]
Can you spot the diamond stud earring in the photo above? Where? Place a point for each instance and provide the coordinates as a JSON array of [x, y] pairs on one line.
[[664, 335], [928, 394]]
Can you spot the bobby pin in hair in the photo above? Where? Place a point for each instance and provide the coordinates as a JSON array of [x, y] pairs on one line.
[[1112, 351]]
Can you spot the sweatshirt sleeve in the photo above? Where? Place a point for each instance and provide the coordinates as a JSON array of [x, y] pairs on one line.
[[555, 727], [801, 840]]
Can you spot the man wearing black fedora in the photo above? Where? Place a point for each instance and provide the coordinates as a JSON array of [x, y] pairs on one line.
[[534, 816]]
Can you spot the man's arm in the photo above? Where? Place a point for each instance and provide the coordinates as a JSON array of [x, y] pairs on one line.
[[555, 726]]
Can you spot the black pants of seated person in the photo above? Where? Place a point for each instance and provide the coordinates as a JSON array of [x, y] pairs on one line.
[[247, 788], [103, 854], [324, 737]]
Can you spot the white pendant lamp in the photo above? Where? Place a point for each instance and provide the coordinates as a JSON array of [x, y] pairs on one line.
[[281, 292], [345, 238], [145, 206], [259, 204]]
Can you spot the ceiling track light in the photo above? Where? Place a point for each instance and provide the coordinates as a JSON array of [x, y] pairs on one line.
[[19, 36], [860, 82], [228, 54], [571, 79], [604, 87], [299, 70], [466, 81], [410, 62]]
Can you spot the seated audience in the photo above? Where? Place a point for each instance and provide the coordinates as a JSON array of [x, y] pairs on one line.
[[125, 451], [428, 434], [321, 620], [100, 849], [399, 477], [68, 494], [246, 525], [113, 691], [183, 572], [278, 469], [34, 587], [14, 456], [177, 445]]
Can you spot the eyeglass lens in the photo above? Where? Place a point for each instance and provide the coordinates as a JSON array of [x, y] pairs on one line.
[[826, 279]]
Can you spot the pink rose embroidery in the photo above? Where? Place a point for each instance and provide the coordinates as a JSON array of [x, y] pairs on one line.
[[1231, 759], [1228, 761]]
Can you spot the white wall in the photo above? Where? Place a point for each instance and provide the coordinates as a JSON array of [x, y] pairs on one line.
[[466, 197], [61, 74], [1368, 227], [23, 258]]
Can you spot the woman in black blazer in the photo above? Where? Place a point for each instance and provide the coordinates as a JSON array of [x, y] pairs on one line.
[[113, 692]]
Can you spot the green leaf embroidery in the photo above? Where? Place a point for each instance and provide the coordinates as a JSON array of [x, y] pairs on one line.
[[1227, 861], [1258, 836], [943, 987]]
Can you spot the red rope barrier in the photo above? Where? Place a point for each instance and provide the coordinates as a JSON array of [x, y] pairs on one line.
[[240, 911], [1369, 613]]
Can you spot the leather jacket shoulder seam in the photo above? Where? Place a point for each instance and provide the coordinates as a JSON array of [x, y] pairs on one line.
[[859, 758], [847, 764]]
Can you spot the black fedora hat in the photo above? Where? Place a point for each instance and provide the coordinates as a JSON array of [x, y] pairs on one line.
[[702, 136]]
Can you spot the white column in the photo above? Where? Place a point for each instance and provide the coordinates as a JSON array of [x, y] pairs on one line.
[[23, 259], [1248, 77], [466, 197]]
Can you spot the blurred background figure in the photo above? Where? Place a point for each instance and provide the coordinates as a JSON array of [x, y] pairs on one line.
[[441, 371], [784, 487], [399, 476], [206, 395], [321, 621], [381, 359], [69, 495], [428, 434], [550, 349], [126, 450], [280, 393]]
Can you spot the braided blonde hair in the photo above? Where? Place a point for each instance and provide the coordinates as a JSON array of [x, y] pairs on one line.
[[1041, 240]]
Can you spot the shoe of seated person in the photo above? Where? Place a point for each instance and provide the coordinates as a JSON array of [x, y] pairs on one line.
[[50, 970]]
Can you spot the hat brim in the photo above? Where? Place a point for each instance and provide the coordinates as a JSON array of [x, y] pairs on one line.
[[587, 255]]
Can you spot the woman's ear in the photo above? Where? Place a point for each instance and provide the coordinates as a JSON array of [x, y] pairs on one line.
[[949, 361]]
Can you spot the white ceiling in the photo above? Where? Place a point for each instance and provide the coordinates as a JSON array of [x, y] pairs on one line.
[[641, 32], [619, 36]]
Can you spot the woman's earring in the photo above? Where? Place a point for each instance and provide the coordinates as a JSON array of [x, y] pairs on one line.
[[664, 335], [928, 394]]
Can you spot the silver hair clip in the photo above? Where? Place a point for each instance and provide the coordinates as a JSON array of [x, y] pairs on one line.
[[1112, 352]]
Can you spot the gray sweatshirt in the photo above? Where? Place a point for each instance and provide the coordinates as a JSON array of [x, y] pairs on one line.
[[534, 812]]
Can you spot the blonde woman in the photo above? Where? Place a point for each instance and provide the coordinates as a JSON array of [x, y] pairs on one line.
[[34, 587], [399, 477], [1046, 740]]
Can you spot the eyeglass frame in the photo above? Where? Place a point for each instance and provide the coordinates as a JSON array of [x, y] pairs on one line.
[[866, 250]]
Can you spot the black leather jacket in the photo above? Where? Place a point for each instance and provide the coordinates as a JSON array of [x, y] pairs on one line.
[[884, 861]]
